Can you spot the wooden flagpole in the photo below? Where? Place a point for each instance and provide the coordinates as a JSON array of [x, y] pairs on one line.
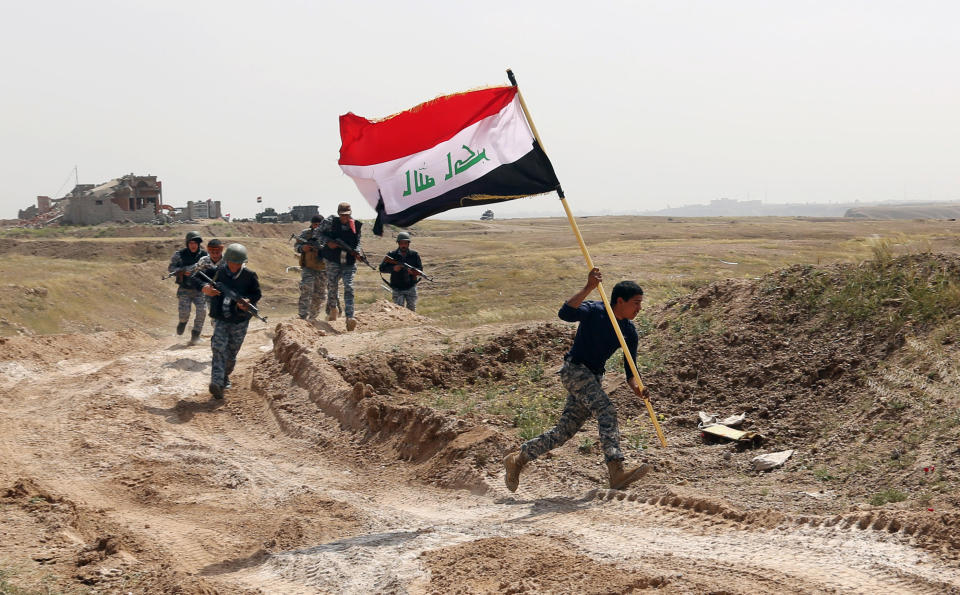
[[586, 255]]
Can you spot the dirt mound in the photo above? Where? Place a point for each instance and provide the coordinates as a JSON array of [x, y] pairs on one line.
[[444, 450], [527, 564], [803, 351], [83, 547], [383, 314], [48, 349], [488, 360]]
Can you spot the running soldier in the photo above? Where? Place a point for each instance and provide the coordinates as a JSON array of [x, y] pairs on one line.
[[213, 260], [341, 263], [403, 280], [188, 291], [230, 318], [582, 376], [313, 275]]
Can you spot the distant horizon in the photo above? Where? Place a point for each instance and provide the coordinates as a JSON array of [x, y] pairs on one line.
[[642, 106]]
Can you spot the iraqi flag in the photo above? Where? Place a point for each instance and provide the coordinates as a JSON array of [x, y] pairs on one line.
[[455, 151]]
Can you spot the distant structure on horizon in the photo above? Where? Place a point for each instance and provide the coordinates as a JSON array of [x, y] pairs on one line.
[[939, 210], [731, 207], [727, 207], [130, 198]]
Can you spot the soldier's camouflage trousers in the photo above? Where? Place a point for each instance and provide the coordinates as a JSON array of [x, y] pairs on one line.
[[185, 297], [585, 397], [313, 292], [335, 272], [226, 342], [406, 297]]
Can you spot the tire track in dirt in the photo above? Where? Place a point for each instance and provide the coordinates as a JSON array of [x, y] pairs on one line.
[[284, 490]]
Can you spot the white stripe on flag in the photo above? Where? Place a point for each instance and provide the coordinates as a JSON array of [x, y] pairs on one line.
[[497, 140]]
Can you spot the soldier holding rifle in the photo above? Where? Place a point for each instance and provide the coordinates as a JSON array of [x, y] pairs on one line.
[[234, 291], [341, 250], [313, 276], [405, 270], [182, 264]]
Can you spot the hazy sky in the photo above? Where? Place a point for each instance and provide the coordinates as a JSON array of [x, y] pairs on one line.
[[640, 105]]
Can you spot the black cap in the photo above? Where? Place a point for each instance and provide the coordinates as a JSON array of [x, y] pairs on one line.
[[316, 219]]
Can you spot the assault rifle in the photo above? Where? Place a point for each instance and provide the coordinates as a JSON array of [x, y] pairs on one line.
[[181, 270], [315, 242], [356, 253], [409, 267], [231, 294]]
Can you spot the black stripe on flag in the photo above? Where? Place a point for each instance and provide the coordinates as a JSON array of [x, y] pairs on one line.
[[531, 174]]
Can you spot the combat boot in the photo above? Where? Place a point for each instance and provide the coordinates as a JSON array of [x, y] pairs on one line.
[[351, 324], [216, 390], [514, 463], [332, 314], [180, 327], [194, 337], [226, 377], [621, 478]]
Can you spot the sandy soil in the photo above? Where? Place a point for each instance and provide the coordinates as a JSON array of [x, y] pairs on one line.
[[121, 475]]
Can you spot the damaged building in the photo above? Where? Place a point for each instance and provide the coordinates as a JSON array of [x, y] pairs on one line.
[[130, 198]]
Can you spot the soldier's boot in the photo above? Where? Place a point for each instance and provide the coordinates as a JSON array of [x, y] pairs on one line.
[[180, 327], [194, 337], [514, 463], [351, 324], [226, 377], [216, 390], [621, 478], [332, 314]]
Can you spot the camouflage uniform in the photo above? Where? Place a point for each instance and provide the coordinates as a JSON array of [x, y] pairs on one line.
[[335, 272], [189, 293], [313, 276], [340, 264], [226, 342], [406, 297], [585, 397]]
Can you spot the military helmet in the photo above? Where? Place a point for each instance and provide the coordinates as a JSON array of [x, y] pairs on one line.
[[235, 253], [403, 236], [193, 236]]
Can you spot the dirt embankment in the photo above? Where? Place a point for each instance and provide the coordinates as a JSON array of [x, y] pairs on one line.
[[851, 366], [324, 470], [443, 450]]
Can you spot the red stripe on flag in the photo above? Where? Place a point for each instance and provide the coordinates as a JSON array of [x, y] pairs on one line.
[[418, 128]]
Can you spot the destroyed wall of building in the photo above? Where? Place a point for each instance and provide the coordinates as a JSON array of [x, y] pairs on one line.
[[130, 198]]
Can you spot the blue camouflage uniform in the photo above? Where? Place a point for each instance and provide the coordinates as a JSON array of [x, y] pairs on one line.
[[340, 264], [403, 285], [229, 322], [188, 292], [582, 376]]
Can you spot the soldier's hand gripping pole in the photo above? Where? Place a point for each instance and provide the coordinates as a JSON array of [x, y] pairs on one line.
[[586, 255]]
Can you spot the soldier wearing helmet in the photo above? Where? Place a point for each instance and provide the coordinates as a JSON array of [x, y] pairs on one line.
[[188, 291], [230, 317], [403, 280]]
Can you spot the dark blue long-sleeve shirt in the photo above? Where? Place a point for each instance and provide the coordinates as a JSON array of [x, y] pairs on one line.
[[596, 341]]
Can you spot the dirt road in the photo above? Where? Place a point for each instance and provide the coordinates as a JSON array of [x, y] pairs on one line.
[[120, 475]]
